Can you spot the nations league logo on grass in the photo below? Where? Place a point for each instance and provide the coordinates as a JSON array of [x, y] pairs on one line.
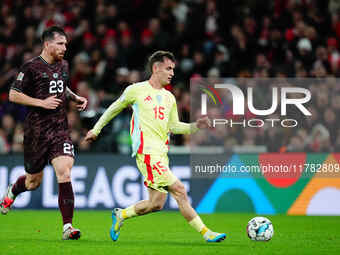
[[264, 102]]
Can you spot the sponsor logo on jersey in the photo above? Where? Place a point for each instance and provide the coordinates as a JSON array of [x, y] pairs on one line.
[[20, 76], [44, 75]]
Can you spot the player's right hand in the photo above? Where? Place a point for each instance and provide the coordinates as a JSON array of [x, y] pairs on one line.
[[90, 137], [203, 122], [51, 102]]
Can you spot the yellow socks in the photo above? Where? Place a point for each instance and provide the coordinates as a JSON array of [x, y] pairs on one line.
[[129, 212], [198, 224]]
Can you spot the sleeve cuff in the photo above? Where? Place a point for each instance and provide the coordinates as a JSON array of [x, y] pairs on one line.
[[95, 131], [193, 127]]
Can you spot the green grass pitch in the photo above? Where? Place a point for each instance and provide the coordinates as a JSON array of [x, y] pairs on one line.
[[164, 233]]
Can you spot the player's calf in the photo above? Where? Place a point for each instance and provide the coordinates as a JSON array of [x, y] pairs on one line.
[[33, 185]]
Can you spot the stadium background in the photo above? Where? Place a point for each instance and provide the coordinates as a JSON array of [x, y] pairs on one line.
[[109, 43]]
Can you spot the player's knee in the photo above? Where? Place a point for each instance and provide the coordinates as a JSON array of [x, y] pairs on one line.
[[64, 176], [32, 185]]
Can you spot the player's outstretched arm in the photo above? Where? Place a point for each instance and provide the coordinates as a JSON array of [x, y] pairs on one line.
[[81, 101], [51, 102], [126, 99], [115, 108]]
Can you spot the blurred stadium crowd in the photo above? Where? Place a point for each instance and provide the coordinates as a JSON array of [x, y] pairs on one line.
[[109, 42]]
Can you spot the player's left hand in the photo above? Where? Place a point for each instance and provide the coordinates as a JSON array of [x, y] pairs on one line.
[[81, 103], [203, 122], [90, 137]]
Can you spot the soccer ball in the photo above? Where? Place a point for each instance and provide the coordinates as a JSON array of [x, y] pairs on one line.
[[260, 229]]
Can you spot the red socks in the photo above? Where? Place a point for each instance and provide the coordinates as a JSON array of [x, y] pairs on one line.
[[66, 201], [19, 186]]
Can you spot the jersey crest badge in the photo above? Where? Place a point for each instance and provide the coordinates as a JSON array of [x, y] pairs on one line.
[[55, 75], [148, 99]]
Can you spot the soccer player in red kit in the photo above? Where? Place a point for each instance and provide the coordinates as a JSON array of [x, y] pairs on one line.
[[42, 85]]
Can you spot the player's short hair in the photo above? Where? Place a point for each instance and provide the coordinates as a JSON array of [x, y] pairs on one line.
[[49, 33], [159, 56]]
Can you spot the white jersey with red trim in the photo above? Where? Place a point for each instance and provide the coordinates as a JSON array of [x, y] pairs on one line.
[[154, 117]]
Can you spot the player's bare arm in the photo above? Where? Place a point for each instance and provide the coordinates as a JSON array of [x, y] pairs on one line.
[[81, 101], [50, 103]]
